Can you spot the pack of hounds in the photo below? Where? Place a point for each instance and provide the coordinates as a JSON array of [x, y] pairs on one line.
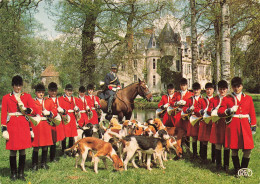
[[122, 143]]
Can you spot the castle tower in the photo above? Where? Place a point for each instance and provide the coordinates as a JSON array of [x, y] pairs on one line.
[[153, 55]]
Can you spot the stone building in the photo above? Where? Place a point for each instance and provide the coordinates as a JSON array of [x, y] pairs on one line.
[[50, 75], [168, 47]]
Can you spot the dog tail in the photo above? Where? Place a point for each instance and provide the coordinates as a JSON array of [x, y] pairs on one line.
[[72, 147]]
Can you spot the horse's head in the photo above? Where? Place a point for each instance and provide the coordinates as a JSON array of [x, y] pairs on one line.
[[144, 91]]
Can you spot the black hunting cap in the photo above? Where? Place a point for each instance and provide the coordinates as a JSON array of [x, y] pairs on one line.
[[17, 81], [113, 66], [82, 89], [90, 86], [236, 81], [222, 84], [170, 86], [209, 85], [196, 85], [52, 86], [39, 87], [183, 81], [68, 87]]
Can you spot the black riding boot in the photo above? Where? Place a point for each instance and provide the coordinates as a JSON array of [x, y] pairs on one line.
[[13, 167], [44, 160], [245, 162], [213, 156], [109, 104], [204, 152], [71, 142], [35, 161], [236, 163], [21, 167], [53, 153], [226, 159], [194, 149], [218, 158]]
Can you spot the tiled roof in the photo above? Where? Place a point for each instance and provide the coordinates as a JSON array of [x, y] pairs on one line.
[[50, 71]]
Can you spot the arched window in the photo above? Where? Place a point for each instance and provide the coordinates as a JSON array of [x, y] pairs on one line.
[[154, 64]]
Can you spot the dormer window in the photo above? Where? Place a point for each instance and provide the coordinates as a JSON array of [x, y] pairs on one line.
[[154, 43]]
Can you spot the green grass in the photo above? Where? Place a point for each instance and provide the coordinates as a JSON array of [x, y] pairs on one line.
[[181, 171]]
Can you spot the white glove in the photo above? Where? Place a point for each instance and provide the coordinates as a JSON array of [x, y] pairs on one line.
[[234, 108], [6, 135], [118, 88], [76, 108], [87, 107], [46, 113], [166, 105], [96, 103], [60, 110], [32, 134], [182, 102], [114, 89], [20, 103]]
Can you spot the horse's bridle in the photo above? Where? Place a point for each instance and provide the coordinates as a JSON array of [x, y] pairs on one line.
[[145, 93]]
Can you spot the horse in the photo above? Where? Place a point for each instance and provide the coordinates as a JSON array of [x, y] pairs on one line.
[[123, 104]]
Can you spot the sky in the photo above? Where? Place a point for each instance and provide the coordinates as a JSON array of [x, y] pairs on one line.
[[43, 17]]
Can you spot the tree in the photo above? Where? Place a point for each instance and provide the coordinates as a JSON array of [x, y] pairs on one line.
[[194, 45], [16, 33], [225, 58]]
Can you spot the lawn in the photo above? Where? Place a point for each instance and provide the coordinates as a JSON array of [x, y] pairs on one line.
[[181, 171]]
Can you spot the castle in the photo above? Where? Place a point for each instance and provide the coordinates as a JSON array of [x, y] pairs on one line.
[[166, 46]]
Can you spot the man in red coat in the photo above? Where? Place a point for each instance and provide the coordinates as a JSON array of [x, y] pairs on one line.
[[93, 104], [81, 102], [189, 107], [205, 129], [67, 106], [181, 100], [51, 104], [15, 128], [217, 135], [240, 108], [42, 131], [167, 101]]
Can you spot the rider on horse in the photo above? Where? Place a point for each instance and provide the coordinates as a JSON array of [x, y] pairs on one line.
[[112, 84]]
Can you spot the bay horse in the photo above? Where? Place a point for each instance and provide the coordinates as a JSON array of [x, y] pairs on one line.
[[123, 104]]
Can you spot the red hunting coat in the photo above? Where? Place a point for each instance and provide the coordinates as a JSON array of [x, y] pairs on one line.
[[179, 122], [82, 107], [217, 135], [71, 128], [238, 131], [58, 133], [204, 129], [167, 119], [17, 126], [192, 131], [42, 131], [91, 103]]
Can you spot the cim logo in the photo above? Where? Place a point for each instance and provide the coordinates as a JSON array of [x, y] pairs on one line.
[[245, 172]]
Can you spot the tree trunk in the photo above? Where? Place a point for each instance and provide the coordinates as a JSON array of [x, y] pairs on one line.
[[87, 67], [194, 47], [217, 27], [129, 37], [225, 57]]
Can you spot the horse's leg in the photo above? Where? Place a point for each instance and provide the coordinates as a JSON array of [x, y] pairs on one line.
[[128, 116], [120, 116]]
